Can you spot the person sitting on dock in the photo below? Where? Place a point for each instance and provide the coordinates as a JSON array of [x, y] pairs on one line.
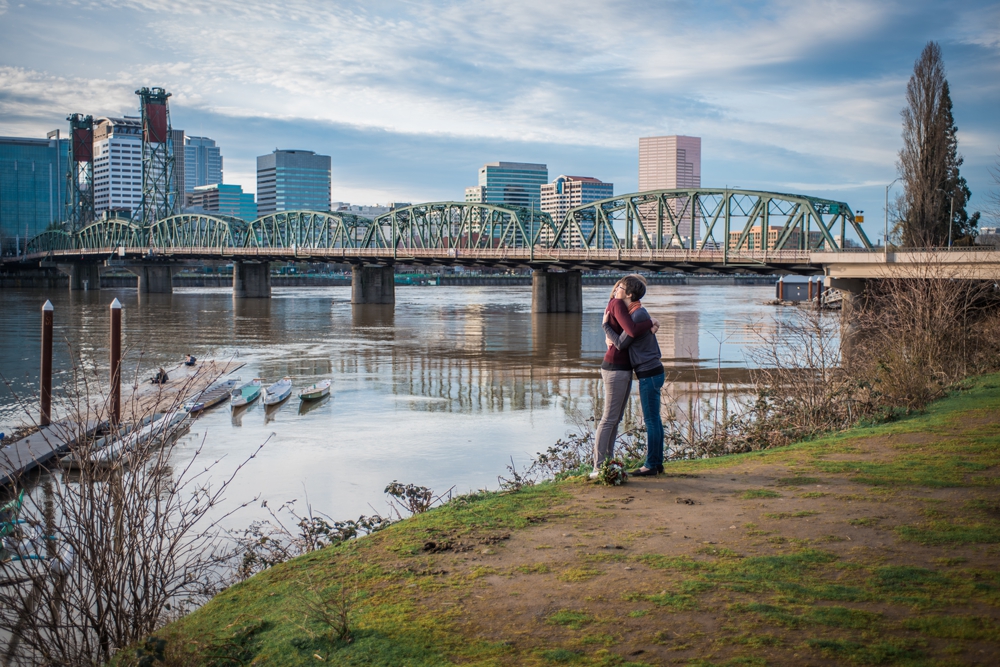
[[160, 377], [189, 360]]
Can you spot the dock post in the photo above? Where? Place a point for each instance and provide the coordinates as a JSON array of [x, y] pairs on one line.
[[115, 409], [45, 391]]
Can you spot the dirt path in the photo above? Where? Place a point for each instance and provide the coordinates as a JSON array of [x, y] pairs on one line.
[[710, 565]]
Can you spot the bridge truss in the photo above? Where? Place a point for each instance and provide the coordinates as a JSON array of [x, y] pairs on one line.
[[732, 227], [706, 218]]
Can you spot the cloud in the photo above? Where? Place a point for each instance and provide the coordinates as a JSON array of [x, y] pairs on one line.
[[784, 92]]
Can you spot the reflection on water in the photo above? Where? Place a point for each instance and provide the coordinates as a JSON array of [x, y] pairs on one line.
[[440, 390]]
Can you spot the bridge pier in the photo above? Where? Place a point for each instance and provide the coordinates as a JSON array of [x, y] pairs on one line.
[[82, 275], [556, 292], [373, 284], [851, 289], [153, 278], [251, 280]]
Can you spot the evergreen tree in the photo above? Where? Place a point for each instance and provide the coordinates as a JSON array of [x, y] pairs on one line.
[[935, 193]]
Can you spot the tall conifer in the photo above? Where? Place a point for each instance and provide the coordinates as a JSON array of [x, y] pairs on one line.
[[929, 161]]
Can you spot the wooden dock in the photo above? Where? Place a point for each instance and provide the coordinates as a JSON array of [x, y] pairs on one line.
[[139, 400]]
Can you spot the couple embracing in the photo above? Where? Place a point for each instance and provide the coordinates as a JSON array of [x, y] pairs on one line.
[[632, 347]]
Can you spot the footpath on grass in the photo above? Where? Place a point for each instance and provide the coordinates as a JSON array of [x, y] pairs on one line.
[[876, 546]]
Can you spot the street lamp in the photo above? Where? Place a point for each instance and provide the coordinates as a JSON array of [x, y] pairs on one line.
[[885, 238], [951, 215]]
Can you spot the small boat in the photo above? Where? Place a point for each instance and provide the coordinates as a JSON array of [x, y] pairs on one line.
[[246, 394], [108, 450], [278, 391], [316, 391], [76, 459], [211, 396]]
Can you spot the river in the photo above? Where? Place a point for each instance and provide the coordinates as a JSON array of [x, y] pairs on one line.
[[442, 390]]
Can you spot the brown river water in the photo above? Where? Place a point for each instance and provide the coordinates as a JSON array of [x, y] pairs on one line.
[[442, 390]]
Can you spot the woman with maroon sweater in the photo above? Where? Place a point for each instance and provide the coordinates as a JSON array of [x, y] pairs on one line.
[[616, 372]]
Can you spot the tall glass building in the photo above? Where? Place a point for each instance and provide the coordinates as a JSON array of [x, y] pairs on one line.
[[293, 181], [32, 188], [512, 183], [202, 163]]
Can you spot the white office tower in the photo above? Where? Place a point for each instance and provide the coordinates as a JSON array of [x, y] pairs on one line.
[[117, 165], [669, 163]]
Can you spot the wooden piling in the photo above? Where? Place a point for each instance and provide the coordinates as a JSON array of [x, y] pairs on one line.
[[45, 390], [115, 409]]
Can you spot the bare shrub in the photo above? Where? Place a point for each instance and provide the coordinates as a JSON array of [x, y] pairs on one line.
[[110, 552], [413, 499], [287, 534], [916, 336], [330, 608]]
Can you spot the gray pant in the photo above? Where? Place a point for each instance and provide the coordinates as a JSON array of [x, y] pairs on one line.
[[617, 387]]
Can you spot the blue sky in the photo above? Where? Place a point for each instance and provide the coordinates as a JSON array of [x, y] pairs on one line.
[[410, 98]]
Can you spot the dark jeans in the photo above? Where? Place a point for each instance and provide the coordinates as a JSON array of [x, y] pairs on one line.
[[649, 398]]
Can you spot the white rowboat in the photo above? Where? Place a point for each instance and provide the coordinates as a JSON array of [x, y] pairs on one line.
[[316, 391], [278, 391]]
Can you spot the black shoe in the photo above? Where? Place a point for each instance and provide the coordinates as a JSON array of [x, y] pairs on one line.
[[649, 472], [659, 468]]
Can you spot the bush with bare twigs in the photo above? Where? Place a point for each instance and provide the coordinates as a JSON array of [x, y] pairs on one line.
[[913, 337], [111, 551]]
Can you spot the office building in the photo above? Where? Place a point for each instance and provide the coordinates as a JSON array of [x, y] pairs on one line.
[[370, 212], [202, 163], [32, 188], [669, 163], [117, 165], [753, 240], [293, 180], [567, 192], [511, 184], [475, 195], [224, 198]]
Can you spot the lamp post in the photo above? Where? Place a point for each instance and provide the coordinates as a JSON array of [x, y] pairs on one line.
[[951, 214], [885, 238], [951, 218]]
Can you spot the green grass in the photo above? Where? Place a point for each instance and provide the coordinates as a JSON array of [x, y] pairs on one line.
[[389, 628], [574, 620], [759, 493]]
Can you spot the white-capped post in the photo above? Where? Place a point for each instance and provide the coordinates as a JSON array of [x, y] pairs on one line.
[[115, 409], [45, 391]]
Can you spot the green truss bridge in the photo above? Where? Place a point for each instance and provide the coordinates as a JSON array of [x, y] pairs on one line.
[[734, 231]]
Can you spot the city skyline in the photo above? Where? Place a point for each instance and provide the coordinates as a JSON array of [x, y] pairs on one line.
[[800, 98]]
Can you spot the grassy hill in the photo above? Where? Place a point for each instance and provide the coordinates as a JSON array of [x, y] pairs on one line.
[[876, 546]]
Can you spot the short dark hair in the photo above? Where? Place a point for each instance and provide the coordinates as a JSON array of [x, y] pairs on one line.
[[633, 287]]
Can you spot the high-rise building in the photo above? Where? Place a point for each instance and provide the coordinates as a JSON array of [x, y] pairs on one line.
[[669, 163], [202, 163], [567, 192], [510, 183], [292, 181], [177, 140], [117, 165], [224, 198], [32, 188]]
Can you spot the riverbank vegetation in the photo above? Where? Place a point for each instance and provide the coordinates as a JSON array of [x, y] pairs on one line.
[[878, 545]]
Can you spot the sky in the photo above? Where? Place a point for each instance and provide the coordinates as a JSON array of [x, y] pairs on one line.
[[411, 98]]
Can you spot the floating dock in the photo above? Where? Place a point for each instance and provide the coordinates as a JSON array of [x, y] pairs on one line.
[[141, 399]]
